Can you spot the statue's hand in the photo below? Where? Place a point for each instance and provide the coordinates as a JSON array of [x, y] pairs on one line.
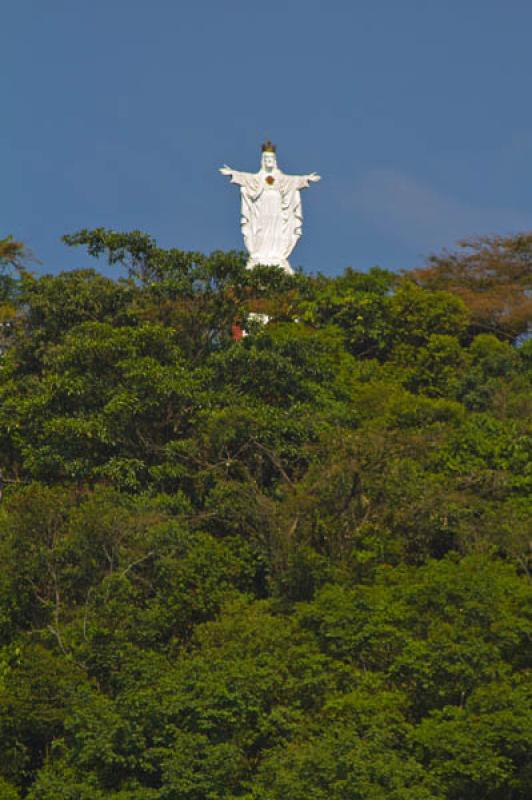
[[225, 170], [313, 177]]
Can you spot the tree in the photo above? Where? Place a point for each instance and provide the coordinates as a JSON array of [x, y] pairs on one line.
[[293, 565], [13, 256], [493, 276]]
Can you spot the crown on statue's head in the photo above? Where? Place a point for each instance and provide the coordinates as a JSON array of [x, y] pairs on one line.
[[268, 147]]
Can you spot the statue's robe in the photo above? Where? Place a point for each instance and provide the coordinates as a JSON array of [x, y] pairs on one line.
[[271, 215]]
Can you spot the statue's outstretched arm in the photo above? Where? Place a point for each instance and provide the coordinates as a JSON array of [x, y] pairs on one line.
[[236, 177], [303, 181]]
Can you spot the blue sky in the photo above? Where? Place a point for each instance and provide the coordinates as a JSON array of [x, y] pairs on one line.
[[417, 113]]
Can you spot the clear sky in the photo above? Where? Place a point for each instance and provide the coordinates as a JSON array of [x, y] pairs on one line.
[[417, 114]]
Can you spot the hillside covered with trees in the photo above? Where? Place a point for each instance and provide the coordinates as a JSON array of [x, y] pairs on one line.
[[294, 566]]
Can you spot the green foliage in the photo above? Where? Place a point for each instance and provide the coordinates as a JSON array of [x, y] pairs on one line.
[[294, 565], [376, 321]]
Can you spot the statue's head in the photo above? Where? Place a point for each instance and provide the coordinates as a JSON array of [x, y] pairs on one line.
[[269, 159]]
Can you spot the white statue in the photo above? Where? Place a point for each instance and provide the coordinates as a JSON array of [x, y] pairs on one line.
[[271, 214]]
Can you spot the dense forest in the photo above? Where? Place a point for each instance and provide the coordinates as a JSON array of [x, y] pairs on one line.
[[289, 566]]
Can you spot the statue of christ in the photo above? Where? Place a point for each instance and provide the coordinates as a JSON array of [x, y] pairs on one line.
[[271, 214]]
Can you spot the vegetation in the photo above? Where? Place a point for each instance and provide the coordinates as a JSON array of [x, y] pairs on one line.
[[290, 567]]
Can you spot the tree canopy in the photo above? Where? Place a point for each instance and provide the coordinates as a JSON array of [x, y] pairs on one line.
[[296, 565], [493, 276]]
